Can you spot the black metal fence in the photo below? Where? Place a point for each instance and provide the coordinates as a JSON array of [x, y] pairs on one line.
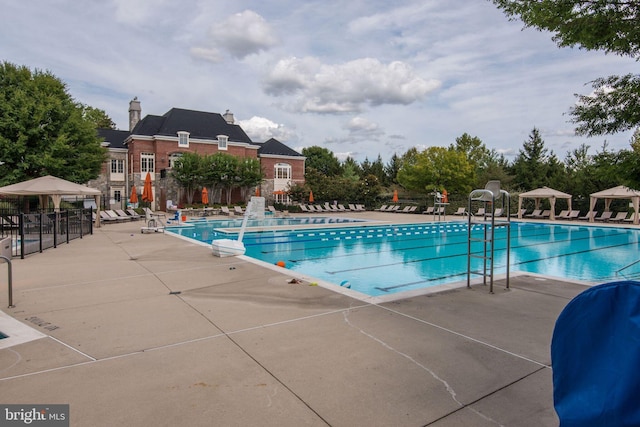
[[35, 232]]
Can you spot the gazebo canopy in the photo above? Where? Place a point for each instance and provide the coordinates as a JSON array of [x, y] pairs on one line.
[[544, 193], [52, 187], [619, 192]]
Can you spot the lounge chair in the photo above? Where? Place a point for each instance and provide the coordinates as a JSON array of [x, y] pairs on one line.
[[563, 215], [545, 214], [620, 216], [123, 215], [461, 211], [133, 214], [341, 208], [428, 211], [569, 215], [404, 210], [523, 212], [330, 208], [381, 208], [535, 214], [588, 216], [412, 209], [304, 208], [224, 210], [238, 210], [604, 216], [352, 207], [498, 212], [360, 208], [106, 217], [480, 212], [319, 208]]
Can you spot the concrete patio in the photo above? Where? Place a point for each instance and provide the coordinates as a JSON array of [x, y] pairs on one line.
[[147, 329]]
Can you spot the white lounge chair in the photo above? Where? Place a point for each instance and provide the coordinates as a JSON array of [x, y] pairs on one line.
[[620, 216], [461, 211], [604, 216]]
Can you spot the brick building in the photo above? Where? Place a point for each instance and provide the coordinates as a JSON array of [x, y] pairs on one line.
[[154, 143]]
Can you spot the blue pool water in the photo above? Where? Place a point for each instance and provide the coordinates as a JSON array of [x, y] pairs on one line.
[[383, 259]]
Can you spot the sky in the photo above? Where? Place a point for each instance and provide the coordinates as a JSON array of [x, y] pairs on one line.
[[363, 78]]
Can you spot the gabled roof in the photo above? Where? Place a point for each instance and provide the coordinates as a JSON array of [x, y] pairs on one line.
[[115, 138], [276, 148], [199, 124]]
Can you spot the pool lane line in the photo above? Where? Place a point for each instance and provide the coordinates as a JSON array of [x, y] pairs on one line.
[[478, 252], [363, 242], [451, 244], [499, 266]]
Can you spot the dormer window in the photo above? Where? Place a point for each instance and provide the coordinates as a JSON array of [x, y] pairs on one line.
[[222, 142], [183, 139]]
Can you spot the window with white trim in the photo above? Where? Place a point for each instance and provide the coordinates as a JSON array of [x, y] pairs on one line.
[[117, 170], [282, 171], [117, 166], [183, 139], [172, 159], [222, 142], [147, 162]]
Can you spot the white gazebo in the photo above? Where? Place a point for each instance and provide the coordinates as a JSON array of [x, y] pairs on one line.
[[619, 192], [55, 188], [544, 193]]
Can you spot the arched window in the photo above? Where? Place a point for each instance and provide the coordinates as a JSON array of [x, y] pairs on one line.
[[282, 171], [172, 159]]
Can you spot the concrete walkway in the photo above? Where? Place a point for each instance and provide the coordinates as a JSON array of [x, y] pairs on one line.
[[151, 330]]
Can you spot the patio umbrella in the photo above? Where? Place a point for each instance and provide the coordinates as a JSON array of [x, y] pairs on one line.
[[395, 196], [147, 192], [311, 197], [257, 191], [134, 196], [205, 196]]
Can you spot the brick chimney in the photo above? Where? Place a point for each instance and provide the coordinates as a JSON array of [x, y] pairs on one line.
[[228, 117], [135, 112]]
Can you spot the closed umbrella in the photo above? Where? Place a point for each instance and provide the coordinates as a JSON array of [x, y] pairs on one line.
[[134, 196], [395, 196], [205, 196], [311, 197], [147, 192], [257, 191]]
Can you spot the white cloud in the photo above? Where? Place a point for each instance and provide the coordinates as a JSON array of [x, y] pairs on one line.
[[241, 35], [261, 129], [346, 87]]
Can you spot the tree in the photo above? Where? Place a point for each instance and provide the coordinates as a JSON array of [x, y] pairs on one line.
[[187, 171], [610, 26], [43, 131], [530, 165], [322, 160], [220, 171], [249, 175], [391, 170], [436, 168], [98, 117]]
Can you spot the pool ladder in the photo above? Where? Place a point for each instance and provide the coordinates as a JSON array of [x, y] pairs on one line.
[[486, 198]]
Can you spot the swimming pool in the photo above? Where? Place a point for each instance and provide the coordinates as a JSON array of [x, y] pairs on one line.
[[380, 260]]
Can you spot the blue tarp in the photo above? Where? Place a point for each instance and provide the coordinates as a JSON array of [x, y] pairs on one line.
[[595, 356]]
